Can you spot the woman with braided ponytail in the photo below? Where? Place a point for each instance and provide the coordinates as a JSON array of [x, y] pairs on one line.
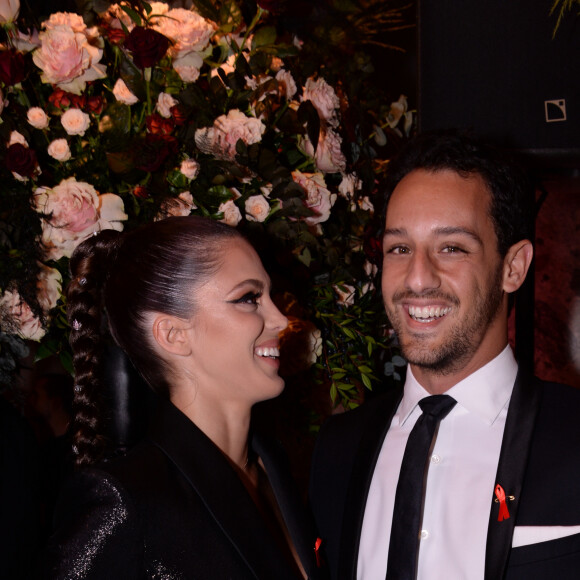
[[187, 299]]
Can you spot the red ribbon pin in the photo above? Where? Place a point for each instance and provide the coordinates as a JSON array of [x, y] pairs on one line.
[[504, 514], [317, 545]]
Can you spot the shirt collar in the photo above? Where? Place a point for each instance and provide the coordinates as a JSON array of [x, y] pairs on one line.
[[485, 392]]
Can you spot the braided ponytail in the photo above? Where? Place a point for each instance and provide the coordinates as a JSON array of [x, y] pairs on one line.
[[88, 267]]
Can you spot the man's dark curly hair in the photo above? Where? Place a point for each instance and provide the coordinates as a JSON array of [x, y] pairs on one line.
[[510, 189]]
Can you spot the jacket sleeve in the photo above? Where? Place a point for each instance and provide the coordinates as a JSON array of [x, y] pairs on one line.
[[97, 532]]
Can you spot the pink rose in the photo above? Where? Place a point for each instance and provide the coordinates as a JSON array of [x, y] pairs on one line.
[[123, 94], [188, 31], [232, 214], [72, 211], [318, 198], [37, 118], [287, 83], [257, 208], [65, 56], [75, 122], [220, 140], [324, 99], [48, 287], [67, 20], [187, 66], [59, 150]]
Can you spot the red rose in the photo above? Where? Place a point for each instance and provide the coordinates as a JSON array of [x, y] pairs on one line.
[[147, 46], [140, 191], [60, 99], [179, 114], [157, 125], [12, 67], [21, 160], [151, 153], [95, 105]]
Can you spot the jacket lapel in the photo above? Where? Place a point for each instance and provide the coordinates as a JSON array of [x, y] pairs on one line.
[[520, 421], [374, 431], [298, 521], [214, 480]]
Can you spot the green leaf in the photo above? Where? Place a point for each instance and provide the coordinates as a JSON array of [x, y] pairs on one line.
[[264, 36], [133, 14], [367, 382], [348, 332]]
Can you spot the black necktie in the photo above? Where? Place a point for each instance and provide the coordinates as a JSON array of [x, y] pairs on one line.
[[407, 514]]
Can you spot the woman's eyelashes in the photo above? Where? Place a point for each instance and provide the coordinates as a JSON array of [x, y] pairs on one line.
[[249, 298]]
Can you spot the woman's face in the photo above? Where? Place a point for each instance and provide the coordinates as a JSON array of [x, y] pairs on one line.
[[235, 331]]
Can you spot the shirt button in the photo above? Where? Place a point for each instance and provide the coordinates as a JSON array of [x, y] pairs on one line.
[[435, 459], [424, 534]]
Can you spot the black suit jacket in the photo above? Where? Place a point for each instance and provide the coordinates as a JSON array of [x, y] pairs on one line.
[[174, 508], [539, 465]]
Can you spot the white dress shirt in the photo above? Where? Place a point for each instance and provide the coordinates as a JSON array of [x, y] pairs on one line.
[[460, 479]]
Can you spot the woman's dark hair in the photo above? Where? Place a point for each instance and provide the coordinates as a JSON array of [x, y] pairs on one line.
[[154, 268], [511, 194]]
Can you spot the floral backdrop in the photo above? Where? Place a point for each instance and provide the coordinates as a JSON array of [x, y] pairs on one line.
[[127, 113]]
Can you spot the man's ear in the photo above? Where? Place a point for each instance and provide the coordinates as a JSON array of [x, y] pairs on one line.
[[171, 334], [516, 265]]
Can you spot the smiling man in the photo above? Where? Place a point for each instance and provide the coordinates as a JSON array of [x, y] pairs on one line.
[[487, 488]]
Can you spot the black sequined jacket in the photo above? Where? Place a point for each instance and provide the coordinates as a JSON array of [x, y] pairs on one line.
[[173, 508]]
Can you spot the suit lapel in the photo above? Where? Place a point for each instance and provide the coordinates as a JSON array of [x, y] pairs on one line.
[[520, 421], [375, 428], [297, 520], [213, 479]]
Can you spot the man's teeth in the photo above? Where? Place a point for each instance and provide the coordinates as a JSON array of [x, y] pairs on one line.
[[427, 313], [272, 351]]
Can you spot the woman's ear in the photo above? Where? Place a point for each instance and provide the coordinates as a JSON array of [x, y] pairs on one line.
[[516, 265], [172, 334]]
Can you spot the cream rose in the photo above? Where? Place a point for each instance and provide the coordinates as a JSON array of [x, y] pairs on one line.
[[349, 184], [318, 198], [232, 214], [164, 103], [324, 99], [72, 211], [37, 118], [123, 94], [346, 294], [257, 208], [59, 150], [189, 168], [16, 137], [75, 122], [220, 140]]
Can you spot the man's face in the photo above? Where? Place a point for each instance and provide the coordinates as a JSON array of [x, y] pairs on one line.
[[442, 274]]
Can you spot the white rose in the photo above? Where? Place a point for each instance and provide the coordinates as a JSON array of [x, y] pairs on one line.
[[189, 168], [9, 11], [232, 214], [19, 318], [123, 94], [75, 122], [37, 118], [59, 150], [164, 103], [286, 80], [257, 208]]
